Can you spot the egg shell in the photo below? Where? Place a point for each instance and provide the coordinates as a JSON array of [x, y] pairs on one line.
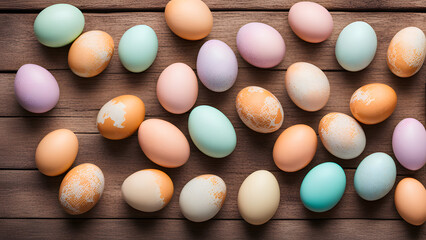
[[342, 135], [295, 148], [410, 201], [356, 46], [260, 45], [36, 89], [147, 190], [202, 197], [259, 109], [163, 143], [406, 52], [138, 48], [310, 21], [120, 117], [81, 188], [189, 19], [56, 152], [307, 86], [259, 197], [217, 66], [58, 25], [177, 88], [375, 176], [409, 144], [211, 131], [373, 103], [91, 53], [323, 187]]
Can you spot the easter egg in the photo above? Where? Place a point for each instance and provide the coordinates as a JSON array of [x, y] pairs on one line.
[[138, 48], [410, 201], [259, 109]]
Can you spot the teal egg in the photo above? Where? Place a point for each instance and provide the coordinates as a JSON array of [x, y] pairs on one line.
[[138, 48], [356, 46], [323, 187], [375, 176], [58, 25], [211, 131]]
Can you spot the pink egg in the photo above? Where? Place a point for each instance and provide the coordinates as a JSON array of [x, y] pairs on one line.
[[260, 45]]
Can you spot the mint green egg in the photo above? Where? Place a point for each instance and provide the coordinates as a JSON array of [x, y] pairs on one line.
[[211, 131], [323, 187], [58, 25], [138, 48]]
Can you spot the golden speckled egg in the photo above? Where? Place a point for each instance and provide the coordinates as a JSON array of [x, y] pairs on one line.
[[81, 188], [56, 152], [295, 148], [91, 53], [259, 109], [342, 135], [410, 201], [406, 52], [121, 117], [373, 103], [189, 19]]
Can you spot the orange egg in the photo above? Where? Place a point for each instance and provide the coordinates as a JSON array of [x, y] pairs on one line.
[[81, 188], [91, 53], [410, 201], [373, 103], [120, 117], [259, 109], [295, 148], [189, 19]]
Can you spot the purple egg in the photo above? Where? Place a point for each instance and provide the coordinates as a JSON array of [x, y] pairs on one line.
[[260, 45], [217, 66], [36, 89], [409, 143]]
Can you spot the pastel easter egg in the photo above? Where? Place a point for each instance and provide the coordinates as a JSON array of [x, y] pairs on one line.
[[410, 201]]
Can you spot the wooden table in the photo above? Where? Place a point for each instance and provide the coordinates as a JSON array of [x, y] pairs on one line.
[[29, 207]]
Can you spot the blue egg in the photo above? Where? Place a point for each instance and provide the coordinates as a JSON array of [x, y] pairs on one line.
[[375, 176], [323, 187], [356, 46]]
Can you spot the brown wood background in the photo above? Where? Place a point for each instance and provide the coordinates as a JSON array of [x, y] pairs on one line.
[[28, 200]]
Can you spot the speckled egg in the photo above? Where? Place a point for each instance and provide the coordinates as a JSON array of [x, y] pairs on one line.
[[307, 86], [342, 135], [259, 109], [120, 117], [91, 53], [202, 197], [81, 188], [410, 201], [406, 52]]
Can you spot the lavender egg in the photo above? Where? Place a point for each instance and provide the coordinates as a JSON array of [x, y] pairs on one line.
[[36, 89], [409, 143], [217, 66]]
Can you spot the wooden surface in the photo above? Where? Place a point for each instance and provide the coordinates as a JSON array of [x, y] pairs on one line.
[[28, 200]]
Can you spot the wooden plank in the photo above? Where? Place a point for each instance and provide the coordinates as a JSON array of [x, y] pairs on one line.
[[19, 45]]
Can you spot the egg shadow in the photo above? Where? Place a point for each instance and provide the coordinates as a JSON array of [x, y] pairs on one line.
[[256, 231]]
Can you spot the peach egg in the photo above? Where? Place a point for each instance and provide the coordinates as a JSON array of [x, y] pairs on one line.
[[81, 188], [91, 53], [373, 103], [120, 117], [410, 201], [259, 109]]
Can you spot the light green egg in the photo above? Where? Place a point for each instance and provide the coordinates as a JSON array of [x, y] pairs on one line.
[[138, 48], [211, 131], [356, 46], [58, 25]]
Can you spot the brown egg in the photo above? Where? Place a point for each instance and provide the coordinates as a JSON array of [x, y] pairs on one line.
[[120, 117], [373, 103], [56, 152], [81, 188], [189, 19], [295, 148], [91, 53], [410, 201]]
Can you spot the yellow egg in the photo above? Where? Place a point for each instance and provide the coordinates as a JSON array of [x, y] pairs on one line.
[[410, 201], [259, 109]]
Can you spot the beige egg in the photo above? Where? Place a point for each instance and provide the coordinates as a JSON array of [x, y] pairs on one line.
[[410, 201]]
